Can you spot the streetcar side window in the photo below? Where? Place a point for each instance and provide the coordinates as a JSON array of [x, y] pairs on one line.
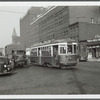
[[69, 49], [46, 51]]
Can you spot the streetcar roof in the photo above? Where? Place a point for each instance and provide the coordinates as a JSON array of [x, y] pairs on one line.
[[18, 50], [54, 42]]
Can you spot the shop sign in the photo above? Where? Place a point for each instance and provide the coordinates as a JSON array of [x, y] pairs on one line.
[[97, 46], [93, 40], [89, 40], [97, 36]]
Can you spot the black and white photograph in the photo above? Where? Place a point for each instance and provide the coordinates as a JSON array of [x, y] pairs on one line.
[[49, 48]]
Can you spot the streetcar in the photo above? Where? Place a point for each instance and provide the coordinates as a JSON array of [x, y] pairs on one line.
[[55, 53]]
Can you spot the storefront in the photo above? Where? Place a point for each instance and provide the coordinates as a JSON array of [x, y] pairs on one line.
[[93, 48]]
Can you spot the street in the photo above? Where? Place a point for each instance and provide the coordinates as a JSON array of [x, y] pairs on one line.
[[81, 79]]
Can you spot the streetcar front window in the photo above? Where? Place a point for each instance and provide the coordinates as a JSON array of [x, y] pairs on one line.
[[69, 49], [62, 50]]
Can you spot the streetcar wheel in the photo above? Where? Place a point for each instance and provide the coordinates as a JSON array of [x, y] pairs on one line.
[[44, 65], [49, 65]]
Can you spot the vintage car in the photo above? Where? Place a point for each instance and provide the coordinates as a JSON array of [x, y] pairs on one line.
[[20, 58], [6, 65]]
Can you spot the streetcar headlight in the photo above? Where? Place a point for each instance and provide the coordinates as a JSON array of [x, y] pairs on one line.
[[5, 65]]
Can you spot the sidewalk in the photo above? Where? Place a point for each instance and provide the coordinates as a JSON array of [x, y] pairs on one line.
[[94, 59]]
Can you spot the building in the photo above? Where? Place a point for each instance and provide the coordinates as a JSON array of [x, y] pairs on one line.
[[2, 51], [83, 31], [89, 14], [54, 24], [81, 23], [31, 15], [49, 26], [15, 44], [88, 34], [15, 38]]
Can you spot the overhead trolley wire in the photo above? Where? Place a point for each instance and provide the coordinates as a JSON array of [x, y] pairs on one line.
[[12, 11]]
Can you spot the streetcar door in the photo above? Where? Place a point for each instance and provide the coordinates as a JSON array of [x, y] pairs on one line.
[[55, 55], [39, 55]]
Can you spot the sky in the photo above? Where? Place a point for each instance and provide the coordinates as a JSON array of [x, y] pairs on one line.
[[10, 15], [9, 21], [11, 12]]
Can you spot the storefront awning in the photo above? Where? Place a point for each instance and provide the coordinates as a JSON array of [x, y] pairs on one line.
[[93, 43]]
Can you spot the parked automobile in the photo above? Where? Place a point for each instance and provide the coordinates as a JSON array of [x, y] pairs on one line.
[[6, 65]]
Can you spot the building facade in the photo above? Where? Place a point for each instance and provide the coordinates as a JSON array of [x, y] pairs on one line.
[[2, 51], [89, 14], [81, 23], [82, 31], [31, 15], [88, 34], [15, 44], [15, 38]]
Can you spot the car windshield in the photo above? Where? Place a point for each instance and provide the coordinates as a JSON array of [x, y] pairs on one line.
[[3, 59], [20, 52]]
